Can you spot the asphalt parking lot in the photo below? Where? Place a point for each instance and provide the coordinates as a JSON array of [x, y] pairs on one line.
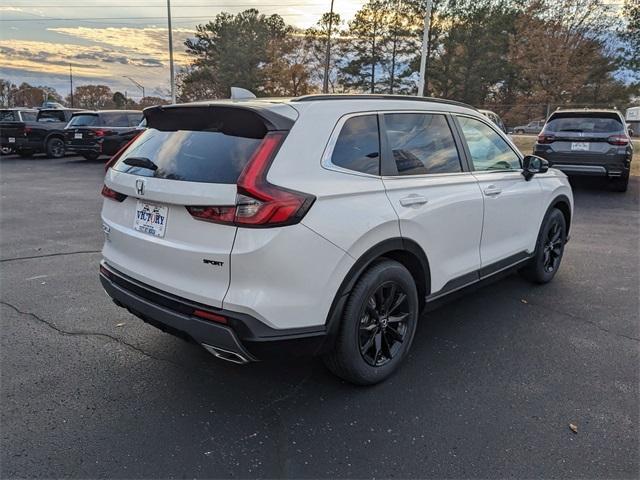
[[492, 384]]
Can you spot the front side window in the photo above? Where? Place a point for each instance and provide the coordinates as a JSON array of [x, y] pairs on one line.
[[488, 150], [358, 145], [84, 120], [28, 116], [421, 144]]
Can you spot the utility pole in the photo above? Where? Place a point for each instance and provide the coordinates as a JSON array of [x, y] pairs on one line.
[[136, 84], [71, 84], [325, 83], [425, 45], [171, 73]]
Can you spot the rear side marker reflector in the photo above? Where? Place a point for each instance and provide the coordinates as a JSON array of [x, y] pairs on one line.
[[112, 194], [259, 204], [209, 316]]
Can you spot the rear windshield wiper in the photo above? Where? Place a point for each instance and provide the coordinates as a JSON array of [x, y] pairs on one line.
[[142, 162]]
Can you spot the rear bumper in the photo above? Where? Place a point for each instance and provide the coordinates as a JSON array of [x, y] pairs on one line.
[[91, 148], [243, 339], [20, 143], [604, 166]]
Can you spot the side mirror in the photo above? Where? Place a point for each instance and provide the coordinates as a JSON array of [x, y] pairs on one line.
[[532, 164]]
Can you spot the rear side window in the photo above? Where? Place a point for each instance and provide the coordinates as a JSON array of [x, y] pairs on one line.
[[28, 116], [113, 119], [51, 116], [585, 123], [422, 144], [83, 121], [7, 116], [192, 156], [358, 145]]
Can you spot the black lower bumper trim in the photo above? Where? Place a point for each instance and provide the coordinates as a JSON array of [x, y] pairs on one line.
[[244, 335]]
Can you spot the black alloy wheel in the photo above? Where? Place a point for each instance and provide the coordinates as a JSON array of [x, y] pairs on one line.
[[552, 250], [383, 326], [55, 148]]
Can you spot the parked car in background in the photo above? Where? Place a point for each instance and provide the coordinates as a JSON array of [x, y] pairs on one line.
[[211, 213], [9, 116], [495, 118], [92, 134], [531, 127], [45, 134], [52, 105], [632, 116], [588, 142]]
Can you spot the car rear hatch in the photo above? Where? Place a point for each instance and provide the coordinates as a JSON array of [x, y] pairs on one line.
[[11, 127], [585, 138], [82, 130], [169, 218]]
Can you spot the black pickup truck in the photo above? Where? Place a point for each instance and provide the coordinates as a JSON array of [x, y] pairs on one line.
[[16, 114], [45, 134]]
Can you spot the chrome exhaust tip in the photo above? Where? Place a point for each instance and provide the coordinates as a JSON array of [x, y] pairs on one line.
[[227, 355]]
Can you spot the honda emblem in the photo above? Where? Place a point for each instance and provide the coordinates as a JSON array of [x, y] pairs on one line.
[[140, 186]]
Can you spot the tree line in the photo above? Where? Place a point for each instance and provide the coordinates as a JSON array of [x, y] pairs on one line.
[[90, 97], [517, 57]]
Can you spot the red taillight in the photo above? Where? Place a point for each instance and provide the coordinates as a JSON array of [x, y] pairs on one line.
[[620, 140], [209, 316], [546, 138], [119, 153], [99, 132], [112, 194], [26, 130], [259, 203]]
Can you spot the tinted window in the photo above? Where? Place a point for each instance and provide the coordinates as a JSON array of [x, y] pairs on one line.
[[134, 119], [114, 119], [193, 156], [28, 116], [7, 116], [421, 143], [51, 116], [83, 120], [358, 145], [488, 150], [584, 123]]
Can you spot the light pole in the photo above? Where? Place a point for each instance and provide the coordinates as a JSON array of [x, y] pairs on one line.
[[171, 72], [136, 84], [325, 82], [425, 45]]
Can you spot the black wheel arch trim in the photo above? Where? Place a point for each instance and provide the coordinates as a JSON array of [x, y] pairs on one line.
[[562, 203], [387, 249]]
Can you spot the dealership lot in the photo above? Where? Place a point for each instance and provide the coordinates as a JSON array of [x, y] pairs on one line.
[[493, 381]]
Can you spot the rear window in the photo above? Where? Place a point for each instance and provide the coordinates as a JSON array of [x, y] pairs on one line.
[[584, 123], [51, 116], [83, 121], [192, 156], [8, 116]]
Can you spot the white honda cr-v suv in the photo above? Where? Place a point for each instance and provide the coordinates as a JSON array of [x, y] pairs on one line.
[[320, 224]]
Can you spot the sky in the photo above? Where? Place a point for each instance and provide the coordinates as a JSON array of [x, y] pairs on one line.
[[103, 40]]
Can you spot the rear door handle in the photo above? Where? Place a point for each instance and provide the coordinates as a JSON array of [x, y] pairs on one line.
[[413, 199], [492, 191]]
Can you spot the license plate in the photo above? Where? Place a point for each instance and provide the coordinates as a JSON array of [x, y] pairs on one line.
[[150, 218], [12, 140], [78, 136], [580, 146]]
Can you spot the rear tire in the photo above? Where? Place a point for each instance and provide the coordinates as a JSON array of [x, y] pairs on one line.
[[55, 148], [619, 184], [549, 249], [377, 327], [5, 150], [91, 156]]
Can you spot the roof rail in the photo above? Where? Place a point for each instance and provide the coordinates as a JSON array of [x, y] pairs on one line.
[[377, 96]]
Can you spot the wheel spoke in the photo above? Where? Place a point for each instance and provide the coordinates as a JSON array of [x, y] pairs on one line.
[[401, 298], [378, 344], [393, 333], [369, 343], [398, 318], [389, 300], [387, 346]]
